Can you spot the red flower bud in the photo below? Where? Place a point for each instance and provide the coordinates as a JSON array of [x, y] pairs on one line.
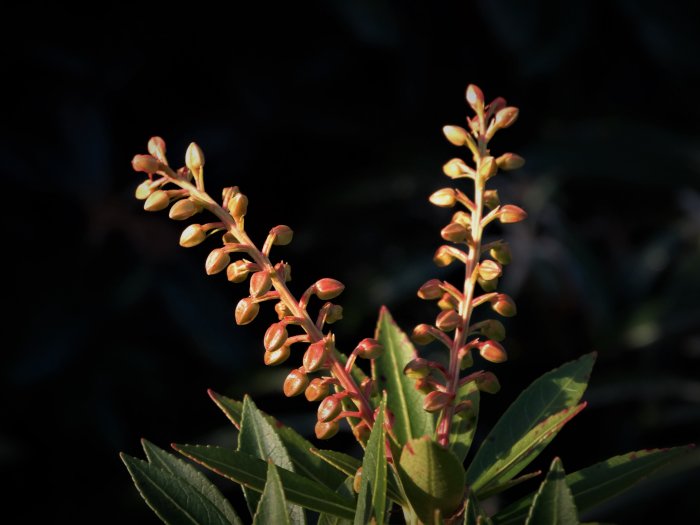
[[327, 289], [276, 357], [260, 283], [275, 336], [326, 430], [317, 389], [493, 352], [369, 349], [503, 305], [511, 213], [448, 320], [295, 383], [430, 290], [421, 334], [436, 400], [246, 311], [329, 409], [315, 356], [283, 235]]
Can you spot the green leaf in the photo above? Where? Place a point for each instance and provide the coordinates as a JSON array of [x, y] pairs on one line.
[[473, 513], [258, 438], [272, 507], [517, 456], [487, 493], [299, 449], [463, 428], [180, 469], [173, 499], [432, 477], [597, 483], [404, 401], [345, 489], [552, 393], [553, 504], [371, 502], [250, 471]]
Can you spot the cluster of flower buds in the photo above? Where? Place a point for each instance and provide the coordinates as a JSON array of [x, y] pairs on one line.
[[333, 387], [453, 326]]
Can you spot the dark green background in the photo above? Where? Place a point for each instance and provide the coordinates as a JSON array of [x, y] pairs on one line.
[[328, 115]]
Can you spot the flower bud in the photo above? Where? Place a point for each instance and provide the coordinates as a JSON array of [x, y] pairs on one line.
[[317, 389], [510, 161], [327, 289], [192, 236], [326, 430], [156, 147], [443, 257], [455, 168], [183, 209], [487, 286], [217, 261], [501, 252], [357, 481], [295, 383], [448, 320], [436, 401], [421, 334], [335, 313], [487, 382], [315, 356], [194, 158], [416, 368], [464, 408], [497, 104], [156, 201], [504, 305], [506, 117], [454, 232], [424, 386], [369, 349], [430, 290], [146, 163], [447, 302], [488, 168], [260, 283], [276, 357], [283, 235], [275, 336], [493, 329], [491, 199], [282, 310], [455, 134], [246, 311], [489, 270], [511, 213], [463, 218], [444, 198], [238, 206], [361, 432], [493, 352], [475, 98], [237, 271], [329, 409], [143, 190]]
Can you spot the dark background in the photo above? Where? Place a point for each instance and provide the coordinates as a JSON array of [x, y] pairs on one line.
[[328, 117]]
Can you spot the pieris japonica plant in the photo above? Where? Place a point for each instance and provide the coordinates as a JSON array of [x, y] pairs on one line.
[[414, 417]]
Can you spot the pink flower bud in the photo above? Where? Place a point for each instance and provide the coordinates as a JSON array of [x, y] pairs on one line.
[[329, 409], [315, 356], [317, 389], [326, 430], [475, 98], [156, 201], [421, 334], [275, 336], [511, 213], [497, 104], [327, 289], [506, 117], [436, 401], [510, 161], [283, 235], [369, 349], [156, 147], [455, 134], [260, 283], [217, 261], [246, 311], [184, 209], [430, 290], [276, 357], [146, 163], [194, 158], [448, 320], [444, 198], [493, 352], [489, 270], [504, 305], [192, 236], [295, 383]]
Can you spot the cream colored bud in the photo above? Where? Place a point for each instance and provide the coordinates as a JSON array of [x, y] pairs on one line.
[[488, 168], [430, 290], [444, 198], [455, 168], [329, 409], [506, 117], [504, 305], [463, 218], [491, 199], [327, 289], [260, 283], [436, 401], [421, 335], [455, 134], [454, 232], [493, 352], [146, 163], [156, 201], [315, 356], [156, 147], [283, 235], [475, 98], [448, 320], [275, 336], [326, 430], [194, 158], [489, 270], [276, 357], [295, 383], [192, 236], [183, 209], [317, 389], [143, 190], [369, 349], [217, 261], [246, 311], [335, 314], [238, 206], [237, 271], [510, 161], [501, 252], [488, 382], [511, 213]]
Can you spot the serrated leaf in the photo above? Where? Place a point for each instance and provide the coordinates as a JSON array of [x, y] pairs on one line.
[[180, 469], [404, 401], [463, 429], [520, 454], [304, 461], [251, 472], [345, 489], [487, 493], [552, 393], [432, 477], [553, 504], [371, 502], [173, 499], [272, 507], [473, 513], [597, 483], [259, 438]]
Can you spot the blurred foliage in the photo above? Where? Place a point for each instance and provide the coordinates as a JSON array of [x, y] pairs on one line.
[[328, 116]]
